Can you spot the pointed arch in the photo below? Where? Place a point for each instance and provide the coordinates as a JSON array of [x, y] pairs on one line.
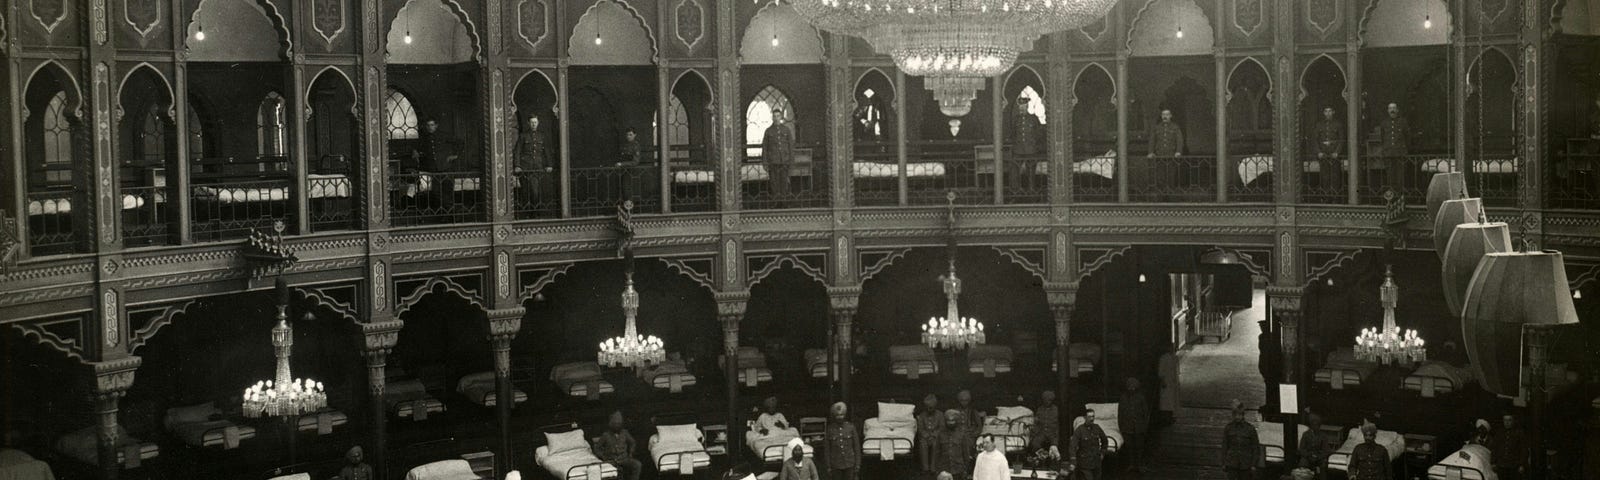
[[685, 74], [65, 77], [1305, 74], [317, 77], [1263, 68], [532, 73], [758, 116], [619, 23], [444, 38], [272, 116], [1081, 76], [220, 48], [800, 42], [443, 285], [123, 85], [400, 116], [875, 70], [1024, 67], [1032, 87]]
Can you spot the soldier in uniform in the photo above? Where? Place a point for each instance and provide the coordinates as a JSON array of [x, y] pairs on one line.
[[1086, 448], [1166, 140], [929, 424], [1509, 450], [955, 445], [1047, 428], [841, 444], [777, 152], [868, 117], [969, 413], [431, 153], [533, 158], [1133, 418], [1025, 128], [1241, 448], [1394, 143], [1315, 446], [1329, 147], [616, 447], [356, 469], [1370, 461]]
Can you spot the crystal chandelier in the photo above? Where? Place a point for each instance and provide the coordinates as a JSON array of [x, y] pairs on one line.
[[955, 44], [284, 395], [631, 349], [952, 330], [1390, 345]]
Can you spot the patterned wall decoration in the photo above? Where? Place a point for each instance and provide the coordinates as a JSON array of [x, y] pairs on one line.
[[730, 263], [502, 274], [811, 264], [689, 22], [97, 22], [109, 201], [1323, 15], [143, 15], [49, 13], [421, 288], [1094, 31], [328, 19], [109, 316], [533, 22], [1029, 258], [1492, 10], [873, 262], [59, 334], [699, 269], [531, 281], [380, 286], [1248, 15]]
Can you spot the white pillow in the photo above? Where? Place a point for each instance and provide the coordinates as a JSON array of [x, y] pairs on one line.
[[687, 433], [1103, 411], [1013, 413], [566, 441], [896, 413]]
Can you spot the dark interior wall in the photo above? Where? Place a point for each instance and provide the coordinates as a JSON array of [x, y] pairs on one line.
[[444, 338], [1186, 85], [228, 97], [584, 307], [1416, 78], [606, 102], [1324, 86], [1492, 113], [1577, 77], [788, 307], [449, 95], [37, 403], [1249, 110], [142, 92], [928, 124], [331, 129], [898, 301], [1334, 314], [805, 85], [691, 89], [1094, 117]]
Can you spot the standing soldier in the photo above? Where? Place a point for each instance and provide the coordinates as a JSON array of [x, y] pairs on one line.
[[777, 151], [842, 444]]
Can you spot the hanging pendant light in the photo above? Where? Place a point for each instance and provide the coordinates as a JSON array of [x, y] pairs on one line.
[[1467, 245], [200, 32], [1511, 291]]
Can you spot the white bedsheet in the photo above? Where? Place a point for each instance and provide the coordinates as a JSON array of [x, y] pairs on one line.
[[668, 455], [1253, 167], [892, 170], [54, 206], [1104, 166], [1270, 434], [747, 173], [566, 465], [1435, 377], [1392, 442], [581, 379], [1343, 369], [443, 470], [817, 362], [1471, 462], [480, 388], [913, 361], [989, 360], [887, 441], [1488, 165], [1010, 434], [772, 447]]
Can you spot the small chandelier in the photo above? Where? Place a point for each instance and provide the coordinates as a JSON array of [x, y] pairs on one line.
[[631, 350], [1390, 345], [954, 44], [952, 330], [284, 395]]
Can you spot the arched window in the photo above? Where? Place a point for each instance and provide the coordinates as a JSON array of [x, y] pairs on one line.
[[401, 116], [57, 141], [270, 126], [152, 137], [677, 129], [758, 116], [1035, 103], [197, 137]]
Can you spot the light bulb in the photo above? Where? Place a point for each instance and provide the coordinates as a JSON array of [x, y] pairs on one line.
[[1577, 294], [1141, 278], [1180, 32], [1330, 282], [1427, 21], [597, 40], [774, 39], [200, 33], [407, 38]]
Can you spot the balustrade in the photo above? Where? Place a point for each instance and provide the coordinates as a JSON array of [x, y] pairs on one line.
[[875, 175], [802, 183], [941, 166], [147, 216], [1027, 180], [596, 191], [50, 221], [536, 194], [436, 198], [1181, 178], [331, 202], [225, 210], [1250, 177], [1094, 177]]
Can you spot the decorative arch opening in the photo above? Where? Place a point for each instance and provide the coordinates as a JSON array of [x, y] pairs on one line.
[[149, 147], [1094, 142], [332, 134], [1249, 109], [53, 158], [778, 35], [689, 120], [1168, 28], [237, 31], [1406, 23], [431, 32], [873, 116], [611, 32], [1323, 122], [768, 107]]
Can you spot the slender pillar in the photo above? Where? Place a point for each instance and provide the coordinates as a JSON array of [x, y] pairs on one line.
[[1059, 101], [503, 327], [900, 132], [844, 301], [112, 379], [1220, 164], [378, 338], [1063, 300], [564, 128], [730, 310], [1352, 115], [997, 117], [1284, 304], [1122, 126], [1538, 341]]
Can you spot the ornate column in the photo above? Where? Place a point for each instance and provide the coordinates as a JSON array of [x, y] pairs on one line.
[[1122, 125], [1284, 306], [730, 310], [504, 323], [1538, 67], [377, 339], [1063, 300], [730, 118], [841, 141], [501, 124], [111, 381], [1538, 339], [374, 149], [843, 302], [1286, 107], [1059, 100]]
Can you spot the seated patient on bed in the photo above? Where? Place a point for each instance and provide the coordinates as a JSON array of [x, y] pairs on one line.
[[773, 424], [1369, 460], [616, 447]]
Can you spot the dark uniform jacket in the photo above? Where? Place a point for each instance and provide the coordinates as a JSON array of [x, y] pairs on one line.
[[930, 424], [1047, 425], [1166, 140], [1394, 136], [1133, 413], [1369, 461], [1026, 128], [842, 446], [432, 155], [1241, 449], [1314, 448], [614, 447], [1329, 137], [955, 451], [532, 156], [777, 145], [1509, 449], [1087, 446]]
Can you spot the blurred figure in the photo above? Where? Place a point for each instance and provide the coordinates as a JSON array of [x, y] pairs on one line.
[[1241, 448], [1133, 418], [616, 447], [356, 468], [1315, 445], [1047, 421], [955, 445], [1510, 450], [930, 425]]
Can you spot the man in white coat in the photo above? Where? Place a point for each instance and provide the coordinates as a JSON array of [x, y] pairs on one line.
[[991, 463]]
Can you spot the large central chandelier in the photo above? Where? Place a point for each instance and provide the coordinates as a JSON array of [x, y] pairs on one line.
[[1390, 345], [952, 330], [631, 350], [284, 395], [954, 44]]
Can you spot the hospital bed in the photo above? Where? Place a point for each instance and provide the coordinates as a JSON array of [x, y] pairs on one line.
[[817, 362], [866, 170], [671, 375], [1393, 443], [1270, 434], [322, 421], [18, 465], [1471, 462], [581, 379], [410, 399], [1105, 415], [989, 360], [679, 449], [1342, 369], [913, 361], [1436, 377], [753, 366], [83, 445], [568, 456], [202, 426], [772, 447], [1080, 359], [892, 433], [456, 469], [480, 389], [1011, 428]]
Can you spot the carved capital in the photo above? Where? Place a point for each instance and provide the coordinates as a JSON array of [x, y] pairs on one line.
[[1284, 299], [378, 338], [844, 300], [731, 305], [1061, 293], [112, 378]]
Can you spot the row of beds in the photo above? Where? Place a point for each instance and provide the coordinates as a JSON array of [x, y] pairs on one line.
[[1470, 462]]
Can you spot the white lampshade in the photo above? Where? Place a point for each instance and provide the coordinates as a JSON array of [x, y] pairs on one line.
[[1509, 291]]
